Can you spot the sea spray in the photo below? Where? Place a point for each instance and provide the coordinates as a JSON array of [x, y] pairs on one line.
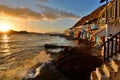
[[31, 74], [19, 72], [35, 70]]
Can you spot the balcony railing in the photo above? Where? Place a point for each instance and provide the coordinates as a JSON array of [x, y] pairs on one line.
[[111, 47]]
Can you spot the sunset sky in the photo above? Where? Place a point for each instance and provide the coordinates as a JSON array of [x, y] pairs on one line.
[[44, 15]]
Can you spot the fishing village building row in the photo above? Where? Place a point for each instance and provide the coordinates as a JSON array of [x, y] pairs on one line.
[[102, 27], [92, 26]]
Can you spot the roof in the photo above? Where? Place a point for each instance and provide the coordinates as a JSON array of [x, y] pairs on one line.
[[90, 17]]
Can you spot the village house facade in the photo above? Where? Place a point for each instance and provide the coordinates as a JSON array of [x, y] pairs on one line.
[[110, 70], [90, 24], [103, 26], [94, 27]]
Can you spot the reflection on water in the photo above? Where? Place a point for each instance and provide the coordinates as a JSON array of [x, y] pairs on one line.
[[19, 52], [5, 38], [5, 45]]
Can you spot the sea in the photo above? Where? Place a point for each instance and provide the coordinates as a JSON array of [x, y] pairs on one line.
[[20, 52]]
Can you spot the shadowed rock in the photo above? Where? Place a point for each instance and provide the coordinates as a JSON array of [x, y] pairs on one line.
[[52, 46], [71, 64], [77, 63]]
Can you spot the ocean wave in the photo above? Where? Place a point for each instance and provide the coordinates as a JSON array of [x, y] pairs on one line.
[[19, 72]]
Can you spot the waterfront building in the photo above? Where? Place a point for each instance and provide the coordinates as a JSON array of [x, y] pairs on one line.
[[103, 27], [94, 27], [110, 70], [91, 23], [69, 32]]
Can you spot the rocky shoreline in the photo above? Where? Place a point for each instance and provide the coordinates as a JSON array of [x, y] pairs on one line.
[[77, 63], [72, 63]]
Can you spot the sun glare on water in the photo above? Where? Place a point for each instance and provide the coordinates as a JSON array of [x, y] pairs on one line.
[[4, 27]]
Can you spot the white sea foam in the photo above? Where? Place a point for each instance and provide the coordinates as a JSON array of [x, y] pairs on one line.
[[19, 72]]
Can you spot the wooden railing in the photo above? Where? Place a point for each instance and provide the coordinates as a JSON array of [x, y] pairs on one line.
[[111, 47]]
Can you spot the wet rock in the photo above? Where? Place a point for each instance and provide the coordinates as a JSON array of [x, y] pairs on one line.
[[49, 72], [53, 46], [77, 63], [73, 63]]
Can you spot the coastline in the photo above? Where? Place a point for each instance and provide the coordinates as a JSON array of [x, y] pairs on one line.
[[71, 63], [77, 63]]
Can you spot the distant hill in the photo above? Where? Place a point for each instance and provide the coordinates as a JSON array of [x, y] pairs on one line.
[[25, 32], [15, 32]]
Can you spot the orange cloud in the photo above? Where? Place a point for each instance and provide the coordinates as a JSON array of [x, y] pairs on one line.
[[25, 13], [19, 12]]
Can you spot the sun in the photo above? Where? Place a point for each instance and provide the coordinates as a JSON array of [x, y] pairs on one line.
[[4, 27]]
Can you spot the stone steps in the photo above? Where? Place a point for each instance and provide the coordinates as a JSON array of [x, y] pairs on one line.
[[100, 74], [108, 71], [94, 76]]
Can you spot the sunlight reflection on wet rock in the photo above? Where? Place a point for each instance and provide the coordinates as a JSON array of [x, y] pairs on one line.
[[41, 60]]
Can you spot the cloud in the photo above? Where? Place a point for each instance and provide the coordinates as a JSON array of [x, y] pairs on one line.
[[25, 13], [19, 12], [43, 0], [51, 13]]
